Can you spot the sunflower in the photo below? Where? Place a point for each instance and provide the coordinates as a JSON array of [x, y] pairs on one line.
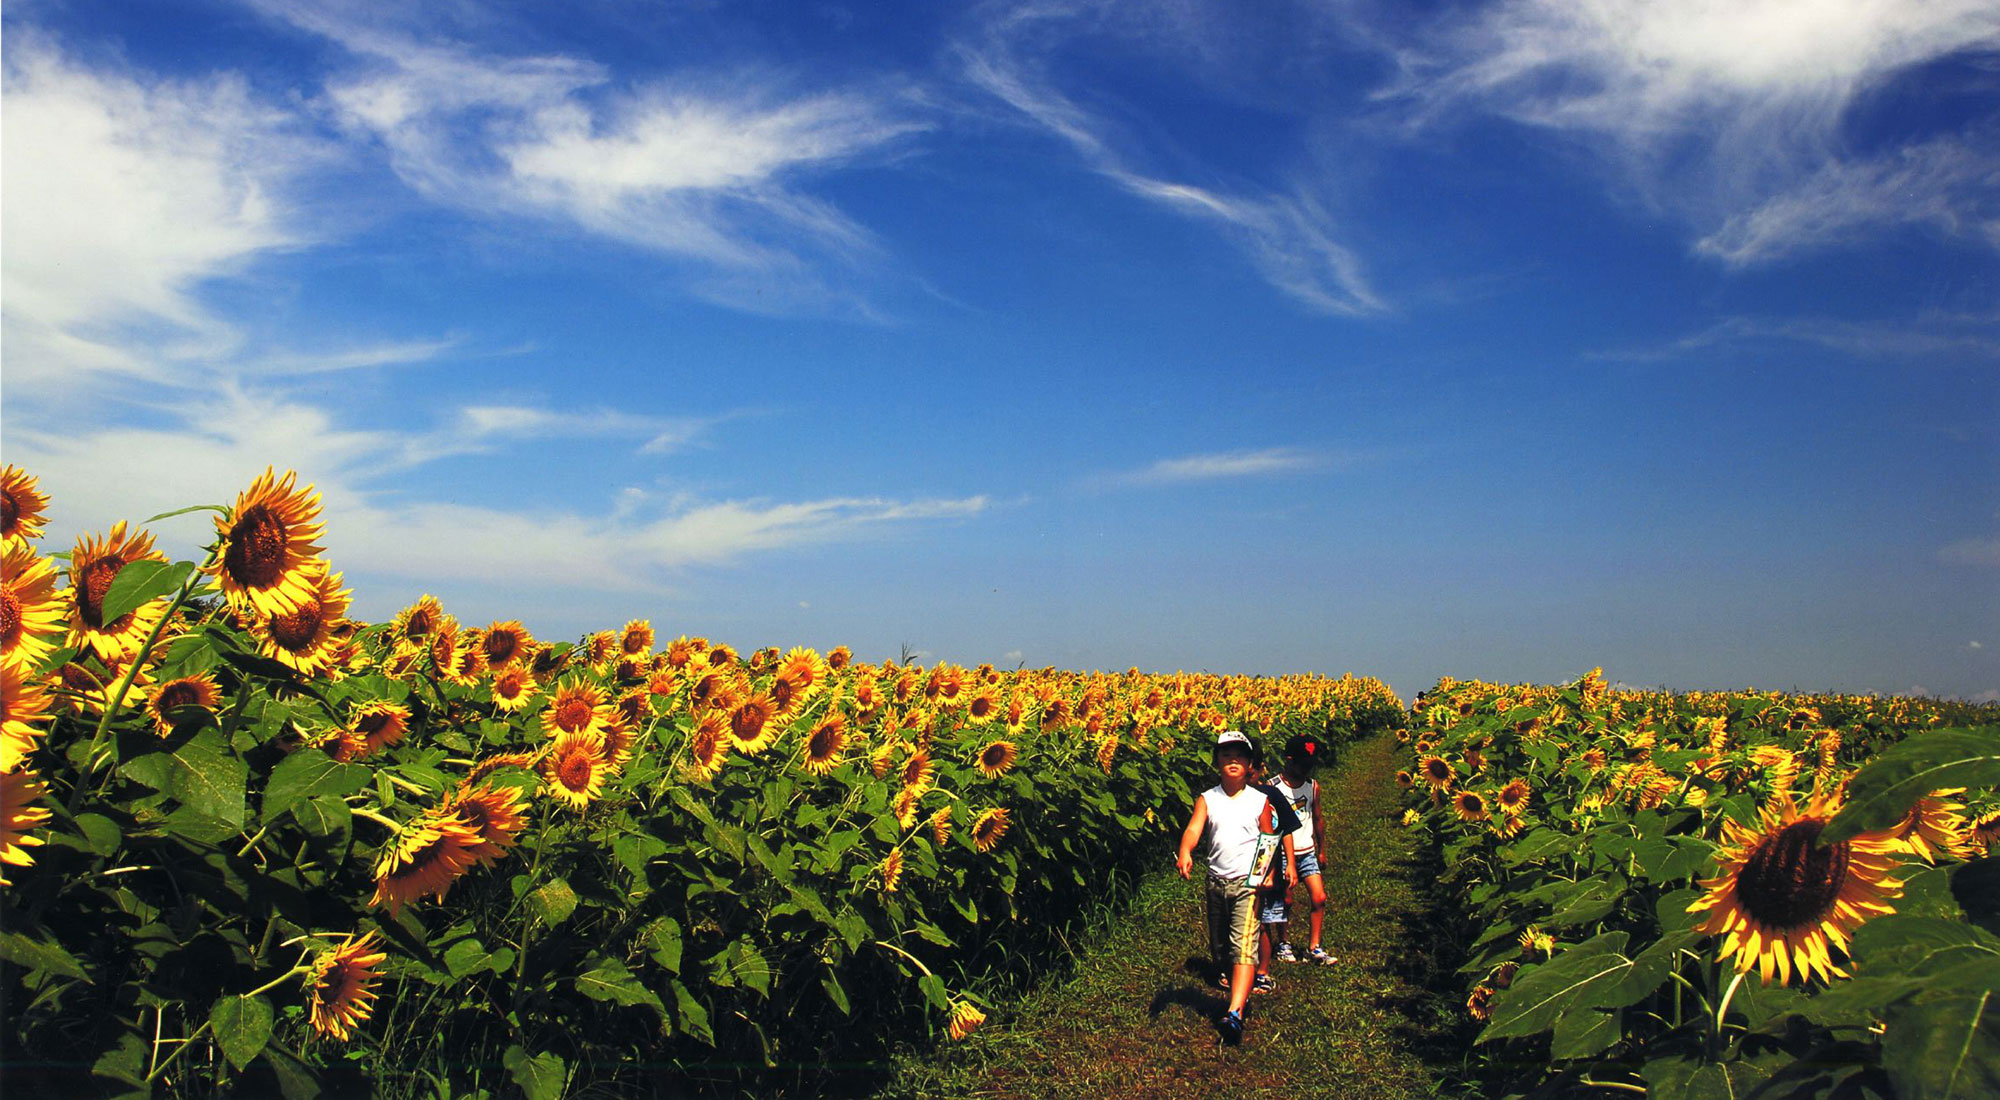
[[600, 648], [1017, 713], [1055, 714], [415, 624], [1934, 826], [941, 825], [1411, 818], [165, 699], [18, 791], [838, 657], [1470, 806], [918, 771], [1503, 975], [577, 707], [93, 565], [636, 638], [24, 705], [965, 1019], [495, 814], [798, 678], [996, 758], [1107, 752], [302, 638], [269, 555], [1596, 760], [494, 763], [87, 686], [31, 611], [750, 727], [1437, 771], [825, 742], [1534, 941], [1778, 764], [466, 665], [381, 722], [1479, 1005], [505, 643], [988, 828], [1513, 798], [708, 746], [1986, 830], [682, 650], [22, 503], [341, 986], [1507, 826], [905, 805], [575, 769], [882, 756], [892, 870], [424, 859], [1782, 898], [513, 687]]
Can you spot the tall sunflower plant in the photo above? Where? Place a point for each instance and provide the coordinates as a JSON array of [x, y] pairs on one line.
[[1671, 897]]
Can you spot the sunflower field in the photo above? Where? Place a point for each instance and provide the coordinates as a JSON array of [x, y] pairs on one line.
[[1717, 895], [255, 847]]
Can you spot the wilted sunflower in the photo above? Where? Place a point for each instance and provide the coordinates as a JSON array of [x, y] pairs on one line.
[[708, 746], [1437, 771], [1534, 941], [93, 565], [575, 768], [996, 758], [576, 707], [383, 723], [891, 868], [341, 986], [165, 699], [1513, 798], [269, 554], [965, 1019], [19, 790], [1935, 826], [988, 828], [301, 639], [22, 503], [825, 743], [494, 814], [513, 687], [941, 825], [31, 610], [424, 859], [24, 706], [905, 806], [750, 726], [1479, 1005], [1782, 899], [1470, 806]]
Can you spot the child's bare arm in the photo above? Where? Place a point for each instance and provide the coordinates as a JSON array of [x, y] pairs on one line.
[[1191, 836]]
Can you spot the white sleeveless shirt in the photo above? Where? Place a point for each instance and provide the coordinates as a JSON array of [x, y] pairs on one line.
[[1302, 800], [1232, 830]]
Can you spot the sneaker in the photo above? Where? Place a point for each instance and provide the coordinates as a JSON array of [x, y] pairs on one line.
[[1232, 1028], [1264, 984], [1318, 954], [1284, 954]]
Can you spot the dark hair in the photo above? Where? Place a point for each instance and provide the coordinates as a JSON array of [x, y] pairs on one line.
[[1304, 749]]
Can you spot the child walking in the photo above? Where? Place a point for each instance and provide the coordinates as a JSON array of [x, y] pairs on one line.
[[1296, 786], [1231, 817]]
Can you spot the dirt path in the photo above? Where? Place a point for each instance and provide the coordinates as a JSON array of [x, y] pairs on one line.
[[1137, 1021]]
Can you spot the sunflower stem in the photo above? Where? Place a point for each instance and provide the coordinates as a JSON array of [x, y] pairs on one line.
[[375, 817], [1722, 1010], [139, 659], [918, 963], [1619, 1085]]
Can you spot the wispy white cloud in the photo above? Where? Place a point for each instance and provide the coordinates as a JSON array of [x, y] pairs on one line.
[[1219, 466], [1285, 232], [1728, 113], [1934, 333]]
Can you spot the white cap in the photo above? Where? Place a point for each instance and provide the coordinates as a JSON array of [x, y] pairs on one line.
[[1234, 737]]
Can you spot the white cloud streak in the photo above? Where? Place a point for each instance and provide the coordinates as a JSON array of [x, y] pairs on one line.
[[1220, 466], [1287, 235], [1728, 113], [1974, 335]]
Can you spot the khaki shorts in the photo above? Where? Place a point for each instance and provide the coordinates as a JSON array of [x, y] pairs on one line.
[[1232, 922]]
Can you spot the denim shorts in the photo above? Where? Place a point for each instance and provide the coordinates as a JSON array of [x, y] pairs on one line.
[[1308, 864]]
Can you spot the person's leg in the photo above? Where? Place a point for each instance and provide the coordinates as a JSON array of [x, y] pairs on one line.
[[1243, 940], [1220, 950], [1316, 891]]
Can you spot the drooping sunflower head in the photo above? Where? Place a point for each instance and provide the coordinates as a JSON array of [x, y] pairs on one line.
[[1783, 901], [1479, 1004], [941, 825], [1534, 941], [965, 1019], [93, 565], [1107, 753], [989, 827], [31, 610], [22, 503], [1935, 826], [174, 701], [423, 860], [996, 758], [382, 722], [302, 638], [905, 805], [600, 648], [825, 743], [494, 814], [1507, 826], [19, 791], [891, 869], [575, 769], [269, 546], [340, 987]]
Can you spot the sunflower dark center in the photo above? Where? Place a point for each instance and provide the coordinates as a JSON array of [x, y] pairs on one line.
[[10, 513], [782, 691], [501, 645], [825, 742], [748, 721], [575, 771], [371, 724], [178, 695], [97, 578], [1789, 880], [10, 614], [299, 629], [257, 542], [573, 714]]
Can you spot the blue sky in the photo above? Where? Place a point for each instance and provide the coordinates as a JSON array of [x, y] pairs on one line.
[[1488, 340]]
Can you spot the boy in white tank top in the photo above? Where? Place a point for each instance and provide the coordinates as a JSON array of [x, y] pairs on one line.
[[1232, 816]]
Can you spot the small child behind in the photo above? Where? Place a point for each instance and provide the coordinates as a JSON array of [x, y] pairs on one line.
[[1296, 786]]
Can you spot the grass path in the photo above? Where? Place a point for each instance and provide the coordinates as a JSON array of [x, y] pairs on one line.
[[1137, 1020]]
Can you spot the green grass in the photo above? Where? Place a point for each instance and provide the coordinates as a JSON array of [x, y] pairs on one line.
[[1136, 1019]]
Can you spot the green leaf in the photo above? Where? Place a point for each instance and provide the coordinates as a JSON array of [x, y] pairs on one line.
[[1571, 981], [612, 981], [690, 1016], [1885, 789], [296, 1080], [552, 902], [125, 1063], [635, 850], [1590, 900], [467, 957], [241, 1026], [1584, 1032], [935, 992], [308, 773], [44, 955], [1943, 1048], [664, 944], [203, 775], [100, 834], [540, 1076], [139, 582], [750, 967], [216, 508], [1921, 946], [1688, 1079], [324, 816], [835, 993]]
